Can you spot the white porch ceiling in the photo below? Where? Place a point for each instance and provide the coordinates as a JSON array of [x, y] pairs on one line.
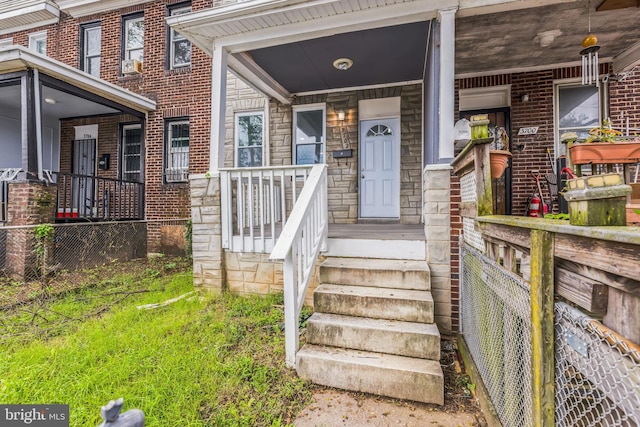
[[17, 15]]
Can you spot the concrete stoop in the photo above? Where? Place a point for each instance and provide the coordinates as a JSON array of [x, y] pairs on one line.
[[373, 330]]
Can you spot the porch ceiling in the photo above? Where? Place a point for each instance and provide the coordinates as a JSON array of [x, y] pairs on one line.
[[295, 44], [76, 92]]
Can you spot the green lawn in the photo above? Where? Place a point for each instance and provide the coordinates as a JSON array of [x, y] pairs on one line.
[[202, 361]]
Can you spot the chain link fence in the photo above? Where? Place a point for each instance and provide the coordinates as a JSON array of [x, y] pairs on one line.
[[495, 316], [597, 372], [32, 252]]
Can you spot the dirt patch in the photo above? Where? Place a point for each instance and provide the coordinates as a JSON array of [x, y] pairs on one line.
[[14, 293], [333, 407]]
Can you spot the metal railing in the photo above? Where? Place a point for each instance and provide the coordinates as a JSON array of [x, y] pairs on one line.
[[301, 240], [256, 203], [85, 197]]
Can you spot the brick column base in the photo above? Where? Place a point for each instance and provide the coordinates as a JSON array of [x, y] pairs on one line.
[[30, 203]]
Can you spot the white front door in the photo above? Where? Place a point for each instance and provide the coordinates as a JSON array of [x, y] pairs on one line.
[[380, 168]]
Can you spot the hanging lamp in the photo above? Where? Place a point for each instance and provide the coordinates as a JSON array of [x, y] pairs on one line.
[[589, 55]]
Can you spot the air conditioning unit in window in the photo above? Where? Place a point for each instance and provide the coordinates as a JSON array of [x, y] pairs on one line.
[[131, 66]]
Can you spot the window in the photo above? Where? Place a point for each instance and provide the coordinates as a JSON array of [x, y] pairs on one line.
[[131, 153], [38, 42], [6, 42], [308, 134], [179, 47], [249, 139], [133, 37], [90, 39], [177, 151], [578, 110]]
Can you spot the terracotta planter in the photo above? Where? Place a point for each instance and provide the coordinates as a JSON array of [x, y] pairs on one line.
[[605, 152], [498, 160]]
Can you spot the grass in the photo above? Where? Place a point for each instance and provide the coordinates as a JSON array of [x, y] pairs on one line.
[[201, 361]]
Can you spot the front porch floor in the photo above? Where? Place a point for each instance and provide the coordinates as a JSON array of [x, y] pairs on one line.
[[377, 231]]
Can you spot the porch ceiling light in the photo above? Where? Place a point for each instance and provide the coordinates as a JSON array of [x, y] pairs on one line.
[[545, 38], [342, 64], [50, 101]]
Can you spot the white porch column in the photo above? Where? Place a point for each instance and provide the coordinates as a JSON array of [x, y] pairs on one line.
[[218, 107], [447, 18]]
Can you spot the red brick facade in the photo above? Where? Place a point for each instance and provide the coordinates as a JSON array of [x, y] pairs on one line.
[[539, 111], [179, 93]]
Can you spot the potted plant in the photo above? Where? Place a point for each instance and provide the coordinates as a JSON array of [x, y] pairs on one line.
[[604, 145], [499, 154]]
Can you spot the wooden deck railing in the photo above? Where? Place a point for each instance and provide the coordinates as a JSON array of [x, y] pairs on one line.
[[595, 268], [302, 238]]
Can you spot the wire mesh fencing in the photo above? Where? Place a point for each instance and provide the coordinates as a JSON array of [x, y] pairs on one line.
[[597, 373], [32, 252], [495, 317]]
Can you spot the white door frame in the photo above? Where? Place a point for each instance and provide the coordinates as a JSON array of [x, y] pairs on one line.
[[394, 124]]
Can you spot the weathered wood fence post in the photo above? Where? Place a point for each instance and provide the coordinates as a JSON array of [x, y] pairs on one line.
[[542, 332]]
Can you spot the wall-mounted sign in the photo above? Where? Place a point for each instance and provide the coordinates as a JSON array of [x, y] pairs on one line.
[[528, 131]]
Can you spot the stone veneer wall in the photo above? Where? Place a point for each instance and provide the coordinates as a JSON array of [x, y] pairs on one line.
[[343, 173], [207, 253], [249, 273], [437, 228]]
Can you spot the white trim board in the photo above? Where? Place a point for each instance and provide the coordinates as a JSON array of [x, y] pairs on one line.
[[370, 248]]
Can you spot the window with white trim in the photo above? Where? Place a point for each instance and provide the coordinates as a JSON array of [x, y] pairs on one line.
[[131, 169], [91, 38], [577, 110], [176, 150], [38, 42], [179, 46], [6, 42], [133, 40], [309, 134], [249, 132]]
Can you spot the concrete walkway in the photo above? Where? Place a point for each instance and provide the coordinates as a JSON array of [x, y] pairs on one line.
[[334, 408]]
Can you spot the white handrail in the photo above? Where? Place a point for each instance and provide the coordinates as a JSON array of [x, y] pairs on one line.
[[301, 240]]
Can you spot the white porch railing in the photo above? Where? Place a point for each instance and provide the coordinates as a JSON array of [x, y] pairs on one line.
[[256, 203], [299, 244]]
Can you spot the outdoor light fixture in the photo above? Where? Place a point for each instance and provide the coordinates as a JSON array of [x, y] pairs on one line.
[[343, 64], [341, 115], [525, 97], [50, 101], [589, 55], [545, 38]]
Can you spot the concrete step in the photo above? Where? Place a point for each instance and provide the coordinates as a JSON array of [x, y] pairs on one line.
[[371, 247], [376, 303], [399, 377], [385, 273], [410, 339]]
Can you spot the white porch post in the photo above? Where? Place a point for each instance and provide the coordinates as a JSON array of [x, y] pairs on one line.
[[218, 107], [447, 82]]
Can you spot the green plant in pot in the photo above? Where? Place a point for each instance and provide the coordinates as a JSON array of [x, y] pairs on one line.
[[604, 145]]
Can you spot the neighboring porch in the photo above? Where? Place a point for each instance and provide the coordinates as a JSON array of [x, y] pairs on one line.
[[62, 135]]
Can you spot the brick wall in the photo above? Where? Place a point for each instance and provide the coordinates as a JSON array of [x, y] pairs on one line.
[[178, 93], [539, 111]]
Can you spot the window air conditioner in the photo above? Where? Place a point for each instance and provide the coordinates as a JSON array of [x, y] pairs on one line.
[[131, 66]]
